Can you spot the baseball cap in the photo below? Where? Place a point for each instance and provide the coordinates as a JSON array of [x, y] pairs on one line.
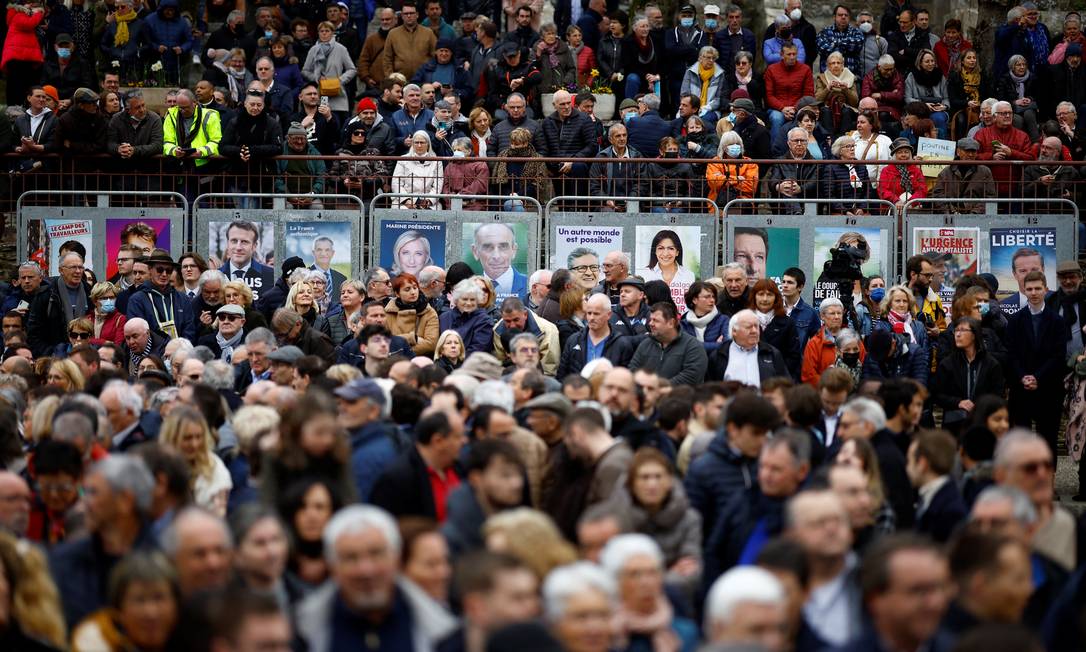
[[361, 388]]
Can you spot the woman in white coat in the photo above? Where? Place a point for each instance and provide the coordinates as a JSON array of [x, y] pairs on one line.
[[413, 176], [328, 59]]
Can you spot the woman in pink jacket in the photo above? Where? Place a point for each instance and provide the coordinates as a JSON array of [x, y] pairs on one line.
[[464, 176], [22, 57]]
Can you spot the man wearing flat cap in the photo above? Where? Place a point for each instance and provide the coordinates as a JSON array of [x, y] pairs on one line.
[[965, 181], [229, 334], [82, 129], [166, 309]]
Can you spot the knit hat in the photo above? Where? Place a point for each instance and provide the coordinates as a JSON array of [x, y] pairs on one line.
[[879, 343], [1073, 50], [51, 91], [482, 366], [296, 129], [444, 44], [291, 264], [738, 93], [366, 104]]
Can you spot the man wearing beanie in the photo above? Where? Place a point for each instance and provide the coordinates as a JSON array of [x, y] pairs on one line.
[[379, 134]]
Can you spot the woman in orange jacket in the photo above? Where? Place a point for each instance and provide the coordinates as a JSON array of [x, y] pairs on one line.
[[731, 175]]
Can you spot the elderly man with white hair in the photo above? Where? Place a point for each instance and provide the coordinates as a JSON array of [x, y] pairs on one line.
[[747, 606], [1023, 460], [794, 178], [140, 342], [615, 267], [644, 615], [366, 604], [579, 602], [123, 406], [1002, 142], [746, 358]]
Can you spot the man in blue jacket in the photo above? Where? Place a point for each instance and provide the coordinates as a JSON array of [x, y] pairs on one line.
[[647, 129], [374, 443], [793, 280], [170, 38], [731, 463], [167, 310]]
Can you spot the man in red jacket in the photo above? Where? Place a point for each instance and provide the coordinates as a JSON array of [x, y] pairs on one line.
[[1002, 142], [785, 83]]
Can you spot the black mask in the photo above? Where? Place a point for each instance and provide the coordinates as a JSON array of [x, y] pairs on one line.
[[671, 155], [785, 34], [851, 359]]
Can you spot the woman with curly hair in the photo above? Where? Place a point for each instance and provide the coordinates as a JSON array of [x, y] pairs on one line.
[[530, 536], [30, 616], [186, 431]]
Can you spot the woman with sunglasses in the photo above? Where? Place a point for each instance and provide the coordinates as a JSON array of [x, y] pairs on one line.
[[79, 332]]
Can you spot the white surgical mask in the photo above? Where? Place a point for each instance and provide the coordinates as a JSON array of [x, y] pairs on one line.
[[865, 27], [458, 153], [686, 22], [734, 150], [710, 23], [796, 14]]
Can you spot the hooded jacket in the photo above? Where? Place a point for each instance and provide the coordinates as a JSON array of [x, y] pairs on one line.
[[380, 135], [171, 32]]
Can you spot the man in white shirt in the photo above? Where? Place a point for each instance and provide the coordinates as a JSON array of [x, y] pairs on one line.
[[746, 358]]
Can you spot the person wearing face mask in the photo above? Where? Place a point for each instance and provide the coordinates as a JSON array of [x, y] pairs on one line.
[[682, 43], [464, 176], [67, 70], [874, 45], [108, 321], [911, 357], [231, 35], [669, 176], [798, 29], [732, 177]]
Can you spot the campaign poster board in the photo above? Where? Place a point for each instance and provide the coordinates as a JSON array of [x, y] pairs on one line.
[[600, 240], [766, 251], [934, 149], [500, 252], [409, 246], [829, 237], [59, 231], [147, 233], [956, 248], [673, 250], [331, 241], [263, 250], [1004, 243]]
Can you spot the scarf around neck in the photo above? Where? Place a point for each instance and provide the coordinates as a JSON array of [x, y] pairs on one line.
[[121, 36], [846, 77], [971, 83], [656, 626], [928, 78], [701, 323], [1019, 83], [905, 320]]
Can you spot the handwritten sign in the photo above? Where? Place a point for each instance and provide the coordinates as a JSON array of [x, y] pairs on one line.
[[934, 149]]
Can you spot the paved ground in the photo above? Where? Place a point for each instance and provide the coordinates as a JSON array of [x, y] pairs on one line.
[[1067, 484]]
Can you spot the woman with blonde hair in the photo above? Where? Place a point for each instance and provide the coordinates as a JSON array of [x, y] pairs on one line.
[[489, 302], [65, 375], [449, 352], [302, 299], [186, 431], [31, 619], [109, 322], [731, 175], [40, 418], [530, 536]]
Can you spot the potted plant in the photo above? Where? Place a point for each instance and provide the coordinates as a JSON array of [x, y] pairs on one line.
[[605, 97]]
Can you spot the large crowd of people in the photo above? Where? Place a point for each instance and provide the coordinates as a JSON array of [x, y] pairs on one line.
[[314, 81], [221, 455]]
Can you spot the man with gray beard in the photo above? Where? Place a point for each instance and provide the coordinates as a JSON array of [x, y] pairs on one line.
[[1049, 179]]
